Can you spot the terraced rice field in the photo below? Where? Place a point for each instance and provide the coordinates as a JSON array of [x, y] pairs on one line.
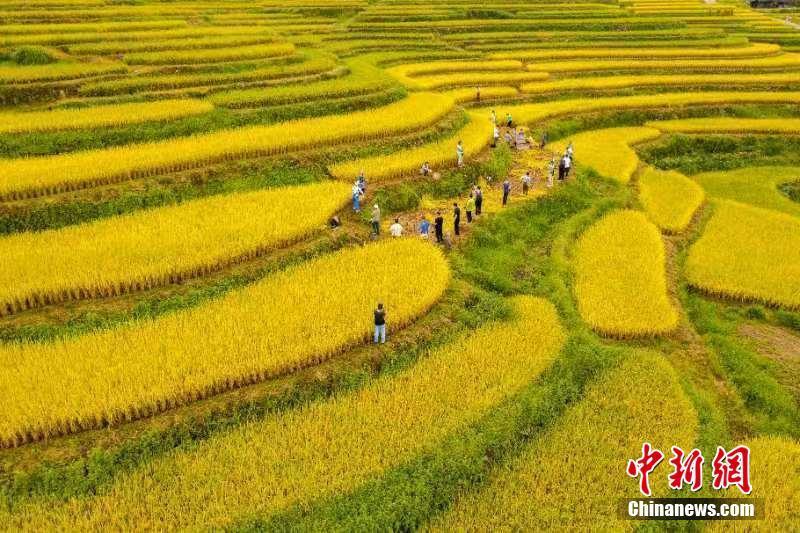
[[207, 205]]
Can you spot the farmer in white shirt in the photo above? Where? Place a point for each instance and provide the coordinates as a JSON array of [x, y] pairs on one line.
[[396, 230], [567, 164]]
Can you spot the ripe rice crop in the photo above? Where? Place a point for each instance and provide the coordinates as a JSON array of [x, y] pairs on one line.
[[570, 474], [318, 450], [363, 78], [114, 40], [728, 125], [100, 116], [433, 74], [83, 27], [528, 113], [783, 61], [775, 477], [754, 50], [127, 47], [314, 65], [45, 175], [448, 67], [620, 279], [519, 42], [475, 136], [474, 78], [212, 55], [608, 151], [669, 198], [748, 253], [57, 71], [523, 37], [292, 319], [158, 246], [790, 79], [487, 93], [756, 186]]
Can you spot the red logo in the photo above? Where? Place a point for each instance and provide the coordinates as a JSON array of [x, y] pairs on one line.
[[644, 465], [732, 469], [686, 468], [729, 469]]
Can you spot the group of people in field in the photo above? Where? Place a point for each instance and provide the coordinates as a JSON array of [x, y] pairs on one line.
[[474, 203]]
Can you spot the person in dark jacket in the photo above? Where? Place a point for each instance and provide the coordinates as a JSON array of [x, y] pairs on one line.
[[478, 200], [380, 324], [438, 224], [456, 218], [506, 191]]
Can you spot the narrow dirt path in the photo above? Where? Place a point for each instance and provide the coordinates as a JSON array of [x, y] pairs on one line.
[[532, 159]]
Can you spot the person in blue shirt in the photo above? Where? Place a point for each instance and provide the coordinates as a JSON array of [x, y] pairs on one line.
[[424, 228]]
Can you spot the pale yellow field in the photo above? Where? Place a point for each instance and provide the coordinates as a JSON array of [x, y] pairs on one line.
[[748, 253], [620, 280]]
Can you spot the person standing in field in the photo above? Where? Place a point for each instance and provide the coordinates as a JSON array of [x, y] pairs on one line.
[[495, 136], [478, 200], [561, 167], [376, 220], [567, 164], [470, 207], [551, 170], [544, 140], [439, 227], [509, 139], [509, 120], [424, 228], [493, 117], [362, 182], [456, 219], [356, 198], [460, 153], [570, 149], [380, 324], [506, 191], [396, 229], [526, 182]]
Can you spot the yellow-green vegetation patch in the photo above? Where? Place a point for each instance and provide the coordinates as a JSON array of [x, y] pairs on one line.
[[754, 50], [620, 278], [728, 125], [527, 113], [57, 71], [669, 198], [180, 57], [608, 151], [321, 449], [102, 115], [474, 136], [603, 83], [748, 253], [485, 93], [756, 186], [362, 78], [574, 473], [58, 173]]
